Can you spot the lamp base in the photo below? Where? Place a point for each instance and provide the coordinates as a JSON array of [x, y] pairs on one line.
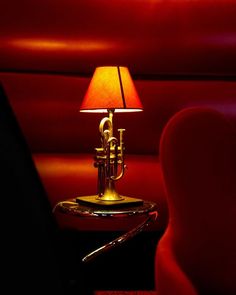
[[94, 200]]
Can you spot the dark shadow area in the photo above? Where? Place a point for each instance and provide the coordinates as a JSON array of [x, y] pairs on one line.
[[32, 259], [129, 266]]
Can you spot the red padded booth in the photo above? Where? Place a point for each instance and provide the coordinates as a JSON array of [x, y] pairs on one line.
[[180, 54]]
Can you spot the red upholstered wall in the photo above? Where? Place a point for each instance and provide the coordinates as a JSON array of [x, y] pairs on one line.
[[47, 107], [151, 37]]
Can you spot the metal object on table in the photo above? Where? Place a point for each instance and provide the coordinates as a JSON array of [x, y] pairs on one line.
[[110, 162], [147, 209]]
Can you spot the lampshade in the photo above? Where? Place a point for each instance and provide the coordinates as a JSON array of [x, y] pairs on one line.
[[111, 87]]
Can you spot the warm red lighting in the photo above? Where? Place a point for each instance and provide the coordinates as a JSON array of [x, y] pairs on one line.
[[62, 45], [111, 88]]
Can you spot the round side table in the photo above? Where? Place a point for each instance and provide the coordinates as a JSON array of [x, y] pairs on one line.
[[147, 209]]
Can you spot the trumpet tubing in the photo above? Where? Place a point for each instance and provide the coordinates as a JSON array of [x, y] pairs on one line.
[[109, 158]]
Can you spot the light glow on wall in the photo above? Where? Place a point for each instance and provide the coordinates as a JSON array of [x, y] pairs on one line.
[[68, 45]]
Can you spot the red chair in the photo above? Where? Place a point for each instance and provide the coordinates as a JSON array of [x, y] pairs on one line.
[[197, 253]]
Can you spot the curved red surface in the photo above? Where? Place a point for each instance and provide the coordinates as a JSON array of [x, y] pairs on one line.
[[150, 37]]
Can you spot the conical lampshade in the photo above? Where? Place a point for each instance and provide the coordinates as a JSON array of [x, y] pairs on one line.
[[111, 87]]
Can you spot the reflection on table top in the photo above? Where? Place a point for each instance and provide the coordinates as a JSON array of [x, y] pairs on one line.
[[73, 208]]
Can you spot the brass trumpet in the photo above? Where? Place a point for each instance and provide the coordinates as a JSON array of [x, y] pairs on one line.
[[109, 159]]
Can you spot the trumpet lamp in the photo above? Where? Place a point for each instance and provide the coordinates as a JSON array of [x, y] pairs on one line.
[[111, 90]]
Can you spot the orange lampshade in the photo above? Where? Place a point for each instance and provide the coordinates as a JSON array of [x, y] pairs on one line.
[[111, 87]]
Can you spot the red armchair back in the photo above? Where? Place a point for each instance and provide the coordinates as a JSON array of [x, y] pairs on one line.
[[197, 254]]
